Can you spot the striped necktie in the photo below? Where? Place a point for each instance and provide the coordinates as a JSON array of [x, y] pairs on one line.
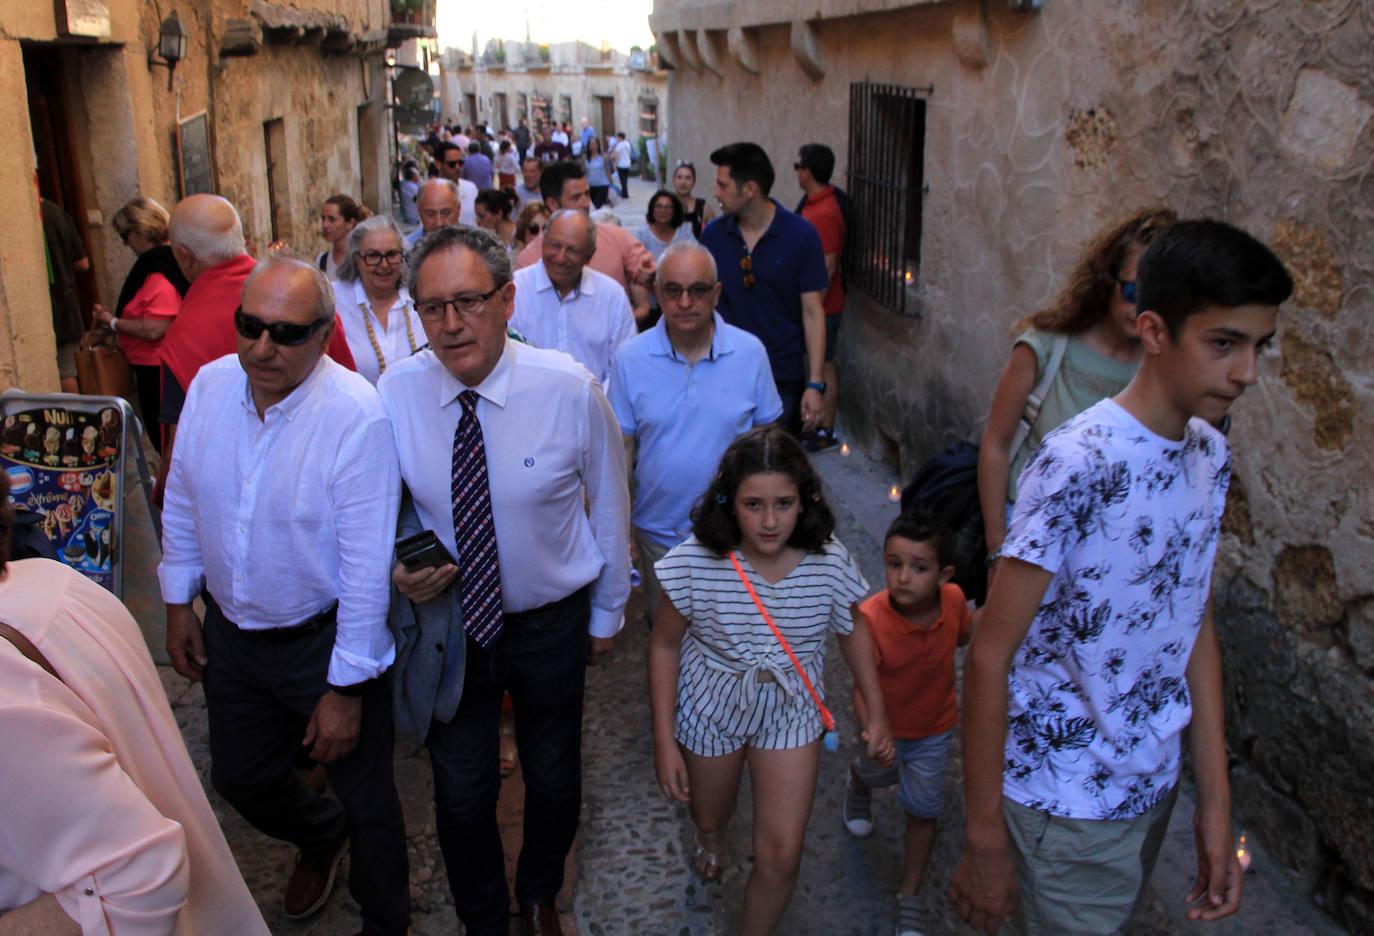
[[473, 529]]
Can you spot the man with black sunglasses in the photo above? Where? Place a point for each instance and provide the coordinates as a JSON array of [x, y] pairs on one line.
[[284, 480]]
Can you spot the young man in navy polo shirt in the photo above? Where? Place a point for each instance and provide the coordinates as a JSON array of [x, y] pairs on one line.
[[772, 273]]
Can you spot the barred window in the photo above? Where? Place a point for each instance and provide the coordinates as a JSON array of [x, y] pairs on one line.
[[886, 174]]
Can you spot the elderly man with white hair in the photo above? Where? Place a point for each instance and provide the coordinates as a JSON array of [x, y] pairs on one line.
[[563, 304], [284, 480], [443, 202]]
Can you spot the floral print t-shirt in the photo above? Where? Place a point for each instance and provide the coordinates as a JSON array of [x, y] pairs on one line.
[[1128, 523]]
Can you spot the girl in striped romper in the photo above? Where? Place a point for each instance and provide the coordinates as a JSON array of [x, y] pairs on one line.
[[723, 690]]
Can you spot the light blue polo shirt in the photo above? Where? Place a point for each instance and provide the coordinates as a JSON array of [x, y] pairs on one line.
[[684, 417]]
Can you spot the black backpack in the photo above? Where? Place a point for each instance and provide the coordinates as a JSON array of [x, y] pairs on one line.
[[947, 487]]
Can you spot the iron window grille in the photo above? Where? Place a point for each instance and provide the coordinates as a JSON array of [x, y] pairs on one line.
[[886, 175]]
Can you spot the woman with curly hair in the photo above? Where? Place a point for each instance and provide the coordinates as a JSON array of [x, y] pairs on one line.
[[1087, 338], [725, 690]]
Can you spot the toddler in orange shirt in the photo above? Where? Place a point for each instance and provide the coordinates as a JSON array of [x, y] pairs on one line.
[[917, 623]]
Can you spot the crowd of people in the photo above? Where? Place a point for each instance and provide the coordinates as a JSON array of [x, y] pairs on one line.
[[410, 480]]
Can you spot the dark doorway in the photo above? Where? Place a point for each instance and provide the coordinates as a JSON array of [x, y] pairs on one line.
[[51, 107], [607, 116]]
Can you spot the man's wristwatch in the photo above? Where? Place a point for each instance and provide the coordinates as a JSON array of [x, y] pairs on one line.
[[817, 385]]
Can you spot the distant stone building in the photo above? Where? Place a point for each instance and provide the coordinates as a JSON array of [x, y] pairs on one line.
[[983, 143], [273, 105], [565, 82]]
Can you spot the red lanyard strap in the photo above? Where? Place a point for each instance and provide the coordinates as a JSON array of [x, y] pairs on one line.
[[827, 719]]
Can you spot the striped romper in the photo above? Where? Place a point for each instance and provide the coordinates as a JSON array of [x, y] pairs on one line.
[[721, 703]]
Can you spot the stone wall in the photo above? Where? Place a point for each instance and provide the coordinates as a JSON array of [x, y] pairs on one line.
[[1040, 129]]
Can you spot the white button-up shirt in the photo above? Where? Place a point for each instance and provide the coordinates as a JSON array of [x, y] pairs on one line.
[[280, 517], [396, 341], [555, 466], [589, 323]]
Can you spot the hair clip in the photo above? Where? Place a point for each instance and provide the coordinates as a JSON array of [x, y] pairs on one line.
[[722, 499]]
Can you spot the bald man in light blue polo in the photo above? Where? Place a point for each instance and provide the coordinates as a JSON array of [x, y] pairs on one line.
[[682, 392]]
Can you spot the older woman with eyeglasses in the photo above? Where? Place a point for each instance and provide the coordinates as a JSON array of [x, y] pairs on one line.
[[148, 302], [378, 318], [694, 210]]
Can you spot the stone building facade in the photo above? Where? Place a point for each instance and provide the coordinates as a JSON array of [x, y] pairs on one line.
[[1032, 126], [275, 106], [568, 81]]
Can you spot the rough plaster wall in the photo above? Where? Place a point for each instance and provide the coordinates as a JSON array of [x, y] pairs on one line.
[[28, 356], [1255, 112]]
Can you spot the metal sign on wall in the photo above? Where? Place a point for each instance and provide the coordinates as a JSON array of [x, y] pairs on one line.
[[86, 18], [193, 155]]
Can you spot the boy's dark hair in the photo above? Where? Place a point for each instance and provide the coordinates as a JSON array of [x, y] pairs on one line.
[[922, 526], [747, 162], [767, 449], [554, 175], [820, 159], [677, 207], [1194, 264]]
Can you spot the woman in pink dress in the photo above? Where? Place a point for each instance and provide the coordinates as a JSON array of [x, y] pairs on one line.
[[104, 824]]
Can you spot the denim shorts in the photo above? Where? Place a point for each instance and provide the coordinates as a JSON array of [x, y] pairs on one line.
[[919, 773]]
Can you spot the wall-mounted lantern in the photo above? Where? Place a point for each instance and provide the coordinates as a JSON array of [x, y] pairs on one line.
[[172, 42]]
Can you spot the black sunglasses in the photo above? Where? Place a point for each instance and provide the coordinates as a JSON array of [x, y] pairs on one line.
[[286, 334]]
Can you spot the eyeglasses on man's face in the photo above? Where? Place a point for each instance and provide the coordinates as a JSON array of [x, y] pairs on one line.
[[376, 257], [674, 292], [468, 305], [286, 334]]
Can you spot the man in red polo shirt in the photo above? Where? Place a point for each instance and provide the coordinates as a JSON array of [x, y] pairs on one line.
[[822, 207], [207, 242]]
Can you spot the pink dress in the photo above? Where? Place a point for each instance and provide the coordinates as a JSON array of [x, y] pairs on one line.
[[100, 804]]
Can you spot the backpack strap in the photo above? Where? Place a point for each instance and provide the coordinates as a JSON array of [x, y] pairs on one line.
[[1037, 395], [827, 720]]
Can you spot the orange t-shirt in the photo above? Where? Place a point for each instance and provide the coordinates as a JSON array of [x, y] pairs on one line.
[[915, 665]]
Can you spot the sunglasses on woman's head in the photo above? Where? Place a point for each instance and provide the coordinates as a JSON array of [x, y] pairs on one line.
[[286, 334]]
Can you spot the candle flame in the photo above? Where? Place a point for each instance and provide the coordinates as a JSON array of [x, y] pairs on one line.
[[844, 448], [893, 494], [909, 277]]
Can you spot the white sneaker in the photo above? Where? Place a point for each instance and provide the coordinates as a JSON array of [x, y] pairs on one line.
[[858, 810], [910, 920]]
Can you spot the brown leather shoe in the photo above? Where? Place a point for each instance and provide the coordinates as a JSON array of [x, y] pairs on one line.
[[540, 919], [310, 884]]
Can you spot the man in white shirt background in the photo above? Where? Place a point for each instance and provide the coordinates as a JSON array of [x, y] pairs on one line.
[[440, 204], [512, 457], [562, 304], [451, 161], [618, 254], [295, 638]]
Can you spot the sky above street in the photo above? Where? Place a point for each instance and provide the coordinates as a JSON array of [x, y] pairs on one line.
[[621, 23]]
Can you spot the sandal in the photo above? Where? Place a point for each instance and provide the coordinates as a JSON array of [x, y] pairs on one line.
[[706, 860]]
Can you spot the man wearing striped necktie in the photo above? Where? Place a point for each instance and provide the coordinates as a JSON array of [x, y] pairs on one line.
[[511, 456]]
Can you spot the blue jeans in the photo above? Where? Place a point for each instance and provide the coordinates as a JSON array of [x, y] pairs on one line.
[[541, 659]]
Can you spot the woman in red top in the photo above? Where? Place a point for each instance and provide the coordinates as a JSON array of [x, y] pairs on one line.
[[150, 299]]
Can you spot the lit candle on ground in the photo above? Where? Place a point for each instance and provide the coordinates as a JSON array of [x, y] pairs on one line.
[[1243, 854], [844, 448], [893, 494]]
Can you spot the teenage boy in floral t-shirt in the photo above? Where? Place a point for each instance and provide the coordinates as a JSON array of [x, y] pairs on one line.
[[1098, 647]]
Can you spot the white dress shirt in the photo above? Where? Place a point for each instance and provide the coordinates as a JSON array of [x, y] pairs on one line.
[[589, 323], [395, 342], [282, 516], [555, 466]]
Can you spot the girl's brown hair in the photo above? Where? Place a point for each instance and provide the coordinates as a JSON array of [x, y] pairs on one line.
[[1087, 296], [349, 209]]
